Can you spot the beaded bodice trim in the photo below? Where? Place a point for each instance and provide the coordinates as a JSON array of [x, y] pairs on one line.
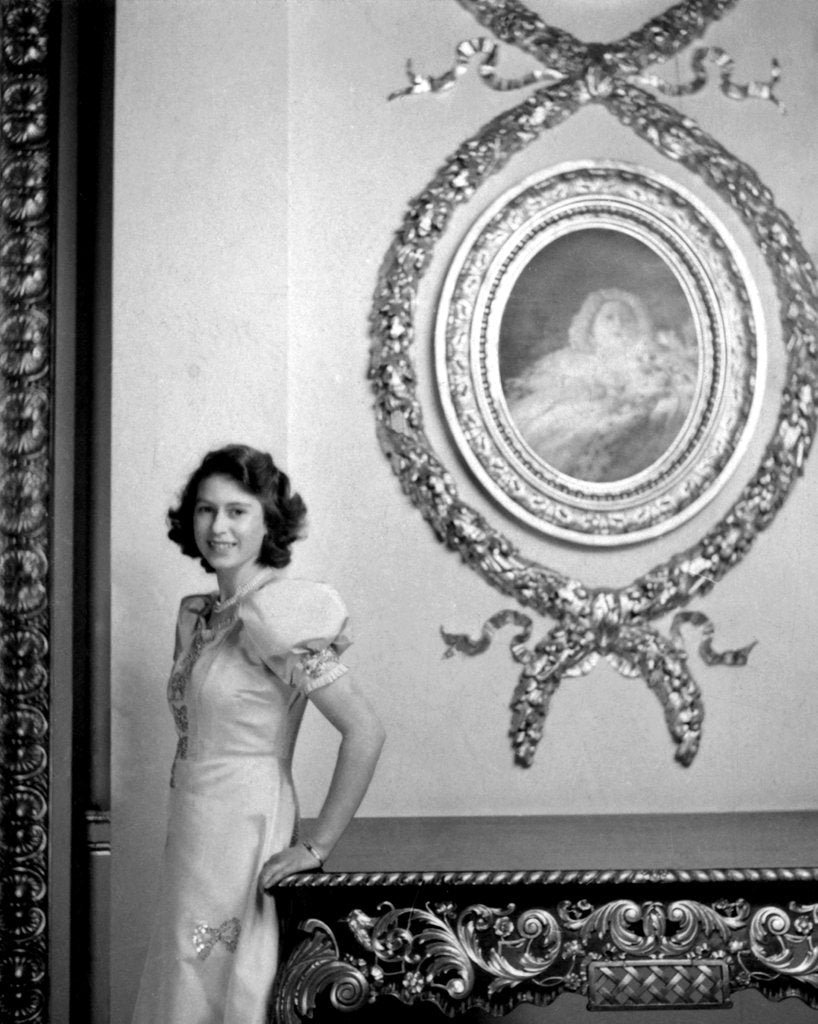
[[180, 678]]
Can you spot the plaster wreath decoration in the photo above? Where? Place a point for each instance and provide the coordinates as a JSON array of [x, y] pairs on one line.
[[593, 623]]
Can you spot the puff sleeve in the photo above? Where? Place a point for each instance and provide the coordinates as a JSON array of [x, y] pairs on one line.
[[298, 629]]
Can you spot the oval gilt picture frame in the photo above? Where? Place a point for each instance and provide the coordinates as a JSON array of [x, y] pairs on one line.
[[600, 353]]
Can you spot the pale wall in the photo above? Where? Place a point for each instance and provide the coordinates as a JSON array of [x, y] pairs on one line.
[[200, 359], [259, 176]]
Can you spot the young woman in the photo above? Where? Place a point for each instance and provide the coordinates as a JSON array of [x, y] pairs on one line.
[[248, 657]]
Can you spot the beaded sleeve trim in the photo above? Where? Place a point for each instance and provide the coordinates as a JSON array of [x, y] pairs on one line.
[[317, 664]]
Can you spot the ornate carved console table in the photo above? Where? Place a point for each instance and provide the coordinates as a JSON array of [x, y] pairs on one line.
[[428, 918]]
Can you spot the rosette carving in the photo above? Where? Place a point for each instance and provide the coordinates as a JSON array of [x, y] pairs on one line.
[[24, 344], [603, 622], [22, 656]]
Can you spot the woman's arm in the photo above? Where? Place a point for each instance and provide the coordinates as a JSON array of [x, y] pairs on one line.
[[362, 736]]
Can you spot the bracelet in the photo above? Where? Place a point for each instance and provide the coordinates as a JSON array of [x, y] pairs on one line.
[[311, 849]]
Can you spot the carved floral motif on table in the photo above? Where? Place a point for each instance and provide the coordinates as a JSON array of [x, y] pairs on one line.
[[592, 623], [619, 954]]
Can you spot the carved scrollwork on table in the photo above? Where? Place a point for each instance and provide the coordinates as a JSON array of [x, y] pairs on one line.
[[25, 403], [624, 953], [596, 622]]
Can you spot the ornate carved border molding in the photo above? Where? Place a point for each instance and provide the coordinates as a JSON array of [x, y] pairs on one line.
[[25, 474]]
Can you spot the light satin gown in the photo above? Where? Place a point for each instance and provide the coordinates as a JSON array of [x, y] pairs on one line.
[[237, 693]]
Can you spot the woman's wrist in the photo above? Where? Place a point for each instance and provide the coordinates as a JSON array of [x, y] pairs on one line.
[[313, 851]]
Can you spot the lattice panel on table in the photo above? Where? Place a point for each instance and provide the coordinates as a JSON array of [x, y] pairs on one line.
[[655, 983]]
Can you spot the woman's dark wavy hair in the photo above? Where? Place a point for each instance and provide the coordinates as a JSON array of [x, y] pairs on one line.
[[256, 473]]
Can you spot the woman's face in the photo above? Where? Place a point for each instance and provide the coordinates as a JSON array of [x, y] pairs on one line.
[[228, 526], [614, 325]]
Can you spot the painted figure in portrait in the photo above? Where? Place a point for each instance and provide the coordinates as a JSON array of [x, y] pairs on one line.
[[598, 356]]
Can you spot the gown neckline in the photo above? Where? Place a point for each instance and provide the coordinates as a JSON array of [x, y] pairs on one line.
[[203, 620]]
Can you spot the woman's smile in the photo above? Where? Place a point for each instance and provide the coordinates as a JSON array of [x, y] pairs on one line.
[[220, 545]]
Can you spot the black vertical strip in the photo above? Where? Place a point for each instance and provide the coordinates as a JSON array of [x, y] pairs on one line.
[[91, 725], [63, 188], [95, 257]]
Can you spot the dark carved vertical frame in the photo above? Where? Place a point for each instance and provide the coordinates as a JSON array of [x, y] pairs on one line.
[[26, 388]]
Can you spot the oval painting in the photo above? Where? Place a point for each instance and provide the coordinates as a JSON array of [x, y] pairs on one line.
[[598, 355]]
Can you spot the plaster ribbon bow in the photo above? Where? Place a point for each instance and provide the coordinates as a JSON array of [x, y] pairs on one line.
[[575, 645]]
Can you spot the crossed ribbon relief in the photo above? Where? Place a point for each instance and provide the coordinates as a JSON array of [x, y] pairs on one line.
[[596, 64], [595, 623]]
